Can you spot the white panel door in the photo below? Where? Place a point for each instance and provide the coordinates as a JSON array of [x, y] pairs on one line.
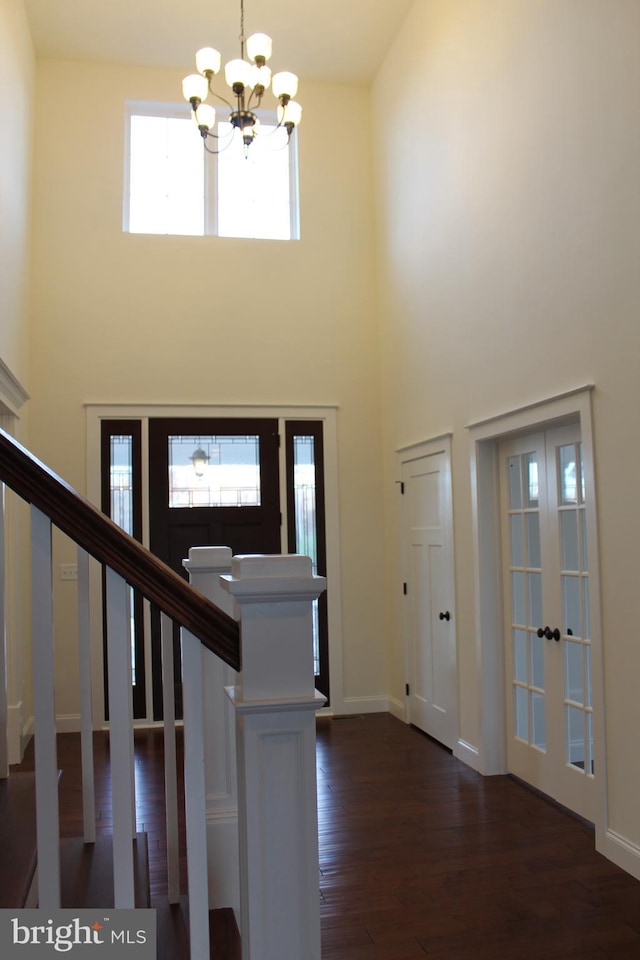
[[547, 629], [428, 550]]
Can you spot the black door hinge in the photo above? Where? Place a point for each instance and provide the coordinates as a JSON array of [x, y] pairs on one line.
[[406, 689], [401, 485], [404, 589], [276, 437]]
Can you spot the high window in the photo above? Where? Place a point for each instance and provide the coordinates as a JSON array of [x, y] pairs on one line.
[[173, 186]]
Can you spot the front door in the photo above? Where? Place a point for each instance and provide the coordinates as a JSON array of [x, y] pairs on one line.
[[210, 481], [547, 629], [428, 549]]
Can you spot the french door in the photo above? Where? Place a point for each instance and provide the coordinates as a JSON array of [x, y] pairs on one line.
[[547, 626]]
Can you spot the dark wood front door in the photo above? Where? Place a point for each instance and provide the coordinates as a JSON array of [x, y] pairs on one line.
[[212, 482]]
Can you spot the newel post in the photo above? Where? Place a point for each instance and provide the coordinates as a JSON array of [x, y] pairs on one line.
[[275, 703]]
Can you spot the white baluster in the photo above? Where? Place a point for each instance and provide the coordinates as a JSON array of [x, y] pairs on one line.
[[86, 700], [205, 566], [170, 762], [44, 716], [275, 703], [121, 738], [194, 797], [4, 705]]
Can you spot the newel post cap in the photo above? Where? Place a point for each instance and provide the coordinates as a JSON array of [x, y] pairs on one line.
[[208, 559], [264, 578]]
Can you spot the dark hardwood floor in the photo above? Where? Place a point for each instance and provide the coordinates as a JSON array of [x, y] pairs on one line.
[[419, 856]]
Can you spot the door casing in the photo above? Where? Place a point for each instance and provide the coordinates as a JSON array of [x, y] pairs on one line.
[[95, 413], [489, 755]]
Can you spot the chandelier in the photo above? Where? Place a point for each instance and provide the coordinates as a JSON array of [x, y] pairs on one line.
[[248, 79]]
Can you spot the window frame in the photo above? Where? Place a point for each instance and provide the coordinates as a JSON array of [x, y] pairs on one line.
[[147, 108]]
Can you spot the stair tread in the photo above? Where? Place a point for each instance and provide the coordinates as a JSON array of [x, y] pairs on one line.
[[172, 929], [87, 872], [17, 838]]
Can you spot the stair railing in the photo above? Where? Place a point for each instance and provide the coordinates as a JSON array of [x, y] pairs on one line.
[[272, 705]]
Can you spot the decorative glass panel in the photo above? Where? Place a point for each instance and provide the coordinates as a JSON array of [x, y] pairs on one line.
[[520, 656], [515, 485], [220, 471], [538, 736], [575, 737], [537, 661], [573, 670], [304, 491], [521, 706], [569, 540], [567, 474], [571, 605], [531, 491], [517, 542], [533, 540], [518, 593], [121, 482]]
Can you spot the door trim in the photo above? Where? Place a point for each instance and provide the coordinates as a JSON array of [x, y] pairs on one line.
[[95, 412], [485, 437], [416, 451]]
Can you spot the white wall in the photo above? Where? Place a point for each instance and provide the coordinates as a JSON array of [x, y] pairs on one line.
[[143, 319], [508, 256]]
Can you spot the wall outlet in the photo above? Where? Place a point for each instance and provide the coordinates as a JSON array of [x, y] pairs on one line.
[[68, 571]]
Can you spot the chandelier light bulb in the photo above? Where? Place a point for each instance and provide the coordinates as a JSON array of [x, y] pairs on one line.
[[290, 114], [260, 77], [205, 116], [238, 72], [284, 84], [208, 61], [195, 87], [259, 47]]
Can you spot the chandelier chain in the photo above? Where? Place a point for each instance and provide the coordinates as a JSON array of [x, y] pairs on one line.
[[242, 29]]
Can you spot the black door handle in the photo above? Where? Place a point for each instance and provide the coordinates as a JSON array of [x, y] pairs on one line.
[[548, 633], [445, 616]]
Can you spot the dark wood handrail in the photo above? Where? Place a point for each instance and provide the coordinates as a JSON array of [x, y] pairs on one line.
[[108, 543]]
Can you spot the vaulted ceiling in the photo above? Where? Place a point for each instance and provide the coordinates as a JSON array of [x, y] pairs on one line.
[[339, 41]]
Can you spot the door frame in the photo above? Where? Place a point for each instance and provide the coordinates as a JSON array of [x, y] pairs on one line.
[[485, 437], [416, 451], [96, 412]]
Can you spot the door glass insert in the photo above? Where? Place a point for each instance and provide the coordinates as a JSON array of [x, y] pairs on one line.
[[571, 605], [538, 738], [537, 661], [520, 656], [573, 670], [517, 540], [515, 484], [567, 474], [531, 482], [214, 471], [533, 539], [569, 540], [304, 491]]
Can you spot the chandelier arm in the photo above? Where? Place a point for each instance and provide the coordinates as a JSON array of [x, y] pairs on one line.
[[218, 96]]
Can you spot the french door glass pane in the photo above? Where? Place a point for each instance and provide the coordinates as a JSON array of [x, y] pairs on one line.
[[573, 671], [575, 737], [517, 540], [520, 656], [515, 484], [531, 488], [567, 470], [521, 705], [571, 605], [537, 661], [569, 540], [538, 735], [535, 599], [533, 540], [214, 471], [518, 597]]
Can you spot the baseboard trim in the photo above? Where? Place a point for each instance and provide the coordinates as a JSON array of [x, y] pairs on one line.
[[68, 723], [621, 851], [467, 754], [398, 709], [365, 705]]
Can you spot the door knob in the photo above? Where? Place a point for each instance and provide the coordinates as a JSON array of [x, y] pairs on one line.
[[549, 633], [445, 616]]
